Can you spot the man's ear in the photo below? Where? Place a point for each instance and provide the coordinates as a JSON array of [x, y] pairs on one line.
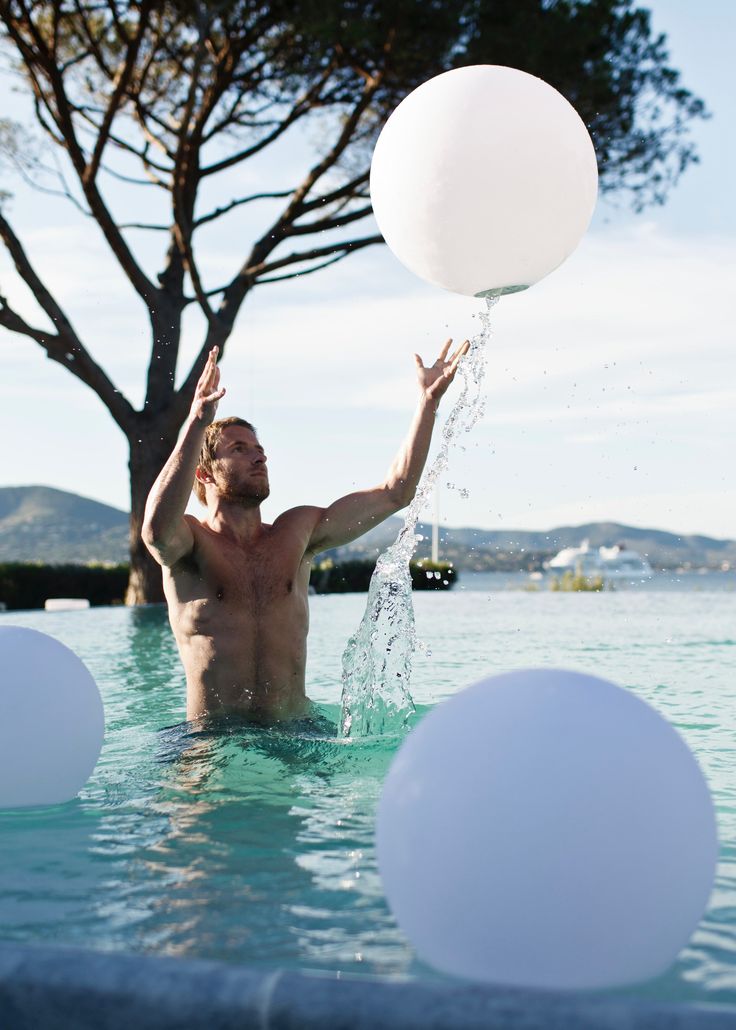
[[202, 476]]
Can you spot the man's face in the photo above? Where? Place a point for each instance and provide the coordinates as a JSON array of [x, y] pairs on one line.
[[239, 469]]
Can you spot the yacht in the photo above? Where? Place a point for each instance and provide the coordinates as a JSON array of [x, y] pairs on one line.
[[617, 562]]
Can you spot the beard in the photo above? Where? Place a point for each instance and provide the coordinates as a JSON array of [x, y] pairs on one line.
[[241, 491]]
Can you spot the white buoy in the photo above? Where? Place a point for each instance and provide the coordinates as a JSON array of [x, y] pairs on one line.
[[52, 721], [484, 179], [547, 829]]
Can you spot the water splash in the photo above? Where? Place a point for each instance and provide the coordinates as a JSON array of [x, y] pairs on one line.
[[376, 664]]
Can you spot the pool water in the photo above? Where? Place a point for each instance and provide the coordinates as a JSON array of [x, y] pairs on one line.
[[255, 845]]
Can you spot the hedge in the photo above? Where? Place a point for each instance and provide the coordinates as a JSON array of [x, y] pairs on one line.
[[26, 585]]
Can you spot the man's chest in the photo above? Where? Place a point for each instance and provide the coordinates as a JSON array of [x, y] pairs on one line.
[[272, 571]]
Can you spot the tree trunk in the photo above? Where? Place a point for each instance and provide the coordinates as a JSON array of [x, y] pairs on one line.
[[149, 449]]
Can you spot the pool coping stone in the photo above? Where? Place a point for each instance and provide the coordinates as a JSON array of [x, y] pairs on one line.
[[59, 988]]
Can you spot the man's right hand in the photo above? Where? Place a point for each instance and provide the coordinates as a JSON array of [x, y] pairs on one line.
[[207, 391]]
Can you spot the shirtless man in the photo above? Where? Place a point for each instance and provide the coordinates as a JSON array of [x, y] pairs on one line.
[[237, 587]]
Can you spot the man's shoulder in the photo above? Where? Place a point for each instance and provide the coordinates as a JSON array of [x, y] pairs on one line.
[[198, 527], [299, 521], [303, 513], [194, 522]]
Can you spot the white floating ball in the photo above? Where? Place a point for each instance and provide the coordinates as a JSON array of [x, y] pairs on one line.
[[52, 722], [483, 180], [547, 829]]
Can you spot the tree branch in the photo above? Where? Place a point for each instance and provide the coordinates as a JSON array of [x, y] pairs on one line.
[[220, 211], [184, 242], [343, 191], [324, 224], [28, 179], [307, 271], [94, 48], [122, 144], [144, 225], [12, 320], [348, 246], [122, 77], [61, 114], [64, 346], [294, 209], [300, 108], [32, 280]]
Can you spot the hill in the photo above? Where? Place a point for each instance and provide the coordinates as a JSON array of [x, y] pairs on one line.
[[38, 523]]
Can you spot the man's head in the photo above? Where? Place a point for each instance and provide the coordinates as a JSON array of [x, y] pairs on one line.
[[233, 461]]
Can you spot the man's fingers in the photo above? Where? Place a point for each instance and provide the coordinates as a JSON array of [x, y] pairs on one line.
[[212, 370], [418, 361], [209, 369], [459, 353], [445, 350]]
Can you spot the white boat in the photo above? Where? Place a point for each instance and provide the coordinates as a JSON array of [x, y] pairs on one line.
[[617, 562]]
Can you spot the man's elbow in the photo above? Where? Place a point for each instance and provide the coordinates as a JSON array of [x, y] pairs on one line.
[[148, 535], [153, 532], [399, 495]]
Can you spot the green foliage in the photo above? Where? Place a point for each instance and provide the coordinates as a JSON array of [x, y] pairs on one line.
[[25, 585], [601, 54], [571, 581], [345, 578], [429, 575], [354, 576]]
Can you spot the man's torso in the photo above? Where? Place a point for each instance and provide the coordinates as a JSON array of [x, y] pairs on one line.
[[240, 617]]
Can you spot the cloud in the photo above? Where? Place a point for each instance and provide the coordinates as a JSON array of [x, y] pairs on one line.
[[626, 303], [631, 409], [635, 328]]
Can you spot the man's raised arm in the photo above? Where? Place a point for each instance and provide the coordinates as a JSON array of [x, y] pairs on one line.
[[166, 532], [355, 514]]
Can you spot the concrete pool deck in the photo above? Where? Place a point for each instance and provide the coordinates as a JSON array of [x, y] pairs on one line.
[[54, 988]]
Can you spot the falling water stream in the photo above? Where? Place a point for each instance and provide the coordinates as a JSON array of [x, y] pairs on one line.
[[376, 664]]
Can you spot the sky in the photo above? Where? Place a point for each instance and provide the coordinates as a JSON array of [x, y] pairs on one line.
[[610, 389]]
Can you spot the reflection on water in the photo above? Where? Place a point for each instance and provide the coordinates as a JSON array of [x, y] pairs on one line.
[[261, 842], [255, 844]]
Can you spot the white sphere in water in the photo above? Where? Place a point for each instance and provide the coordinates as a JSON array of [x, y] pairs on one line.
[[484, 179], [547, 829], [52, 721]]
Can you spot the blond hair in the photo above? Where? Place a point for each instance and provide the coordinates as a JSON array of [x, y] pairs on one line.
[[212, 437]]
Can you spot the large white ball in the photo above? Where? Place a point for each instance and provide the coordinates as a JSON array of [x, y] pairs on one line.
[[483, 180], [547, 829], [52, 721]]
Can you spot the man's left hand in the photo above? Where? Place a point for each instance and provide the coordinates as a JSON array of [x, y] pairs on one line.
[[435, 379]]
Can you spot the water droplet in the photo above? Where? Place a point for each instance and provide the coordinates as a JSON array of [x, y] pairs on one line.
[[376, 664]]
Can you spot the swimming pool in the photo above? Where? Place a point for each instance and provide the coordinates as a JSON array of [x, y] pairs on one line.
[[256, 846]]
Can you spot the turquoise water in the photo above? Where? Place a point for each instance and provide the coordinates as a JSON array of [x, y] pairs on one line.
[[256, 845]]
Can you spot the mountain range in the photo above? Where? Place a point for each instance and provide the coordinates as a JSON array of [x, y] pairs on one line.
[[39, 523]]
